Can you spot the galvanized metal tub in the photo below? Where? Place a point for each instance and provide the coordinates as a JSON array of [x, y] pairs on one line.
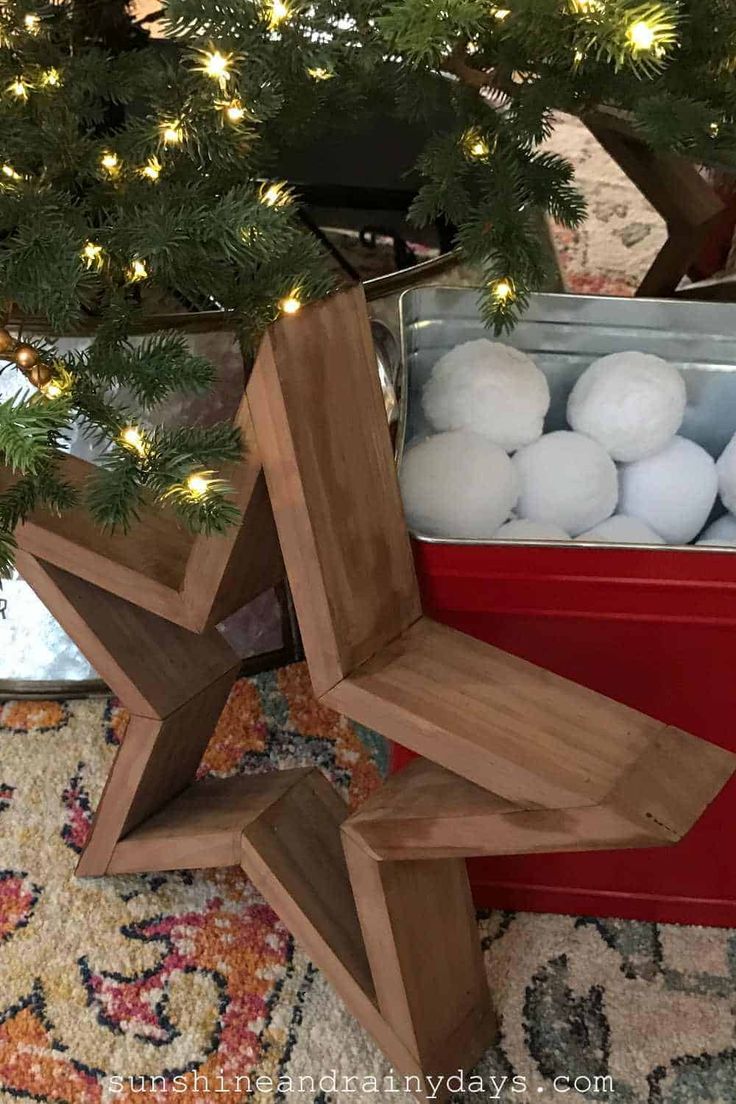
[[564, 333]]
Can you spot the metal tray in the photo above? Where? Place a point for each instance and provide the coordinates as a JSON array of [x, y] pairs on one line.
[[564, 333]]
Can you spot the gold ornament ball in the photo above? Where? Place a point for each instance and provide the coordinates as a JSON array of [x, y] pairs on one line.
[[26, 357], [40, 375], [6, 341]]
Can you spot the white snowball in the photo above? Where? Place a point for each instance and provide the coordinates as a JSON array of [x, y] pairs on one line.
[[566, 479], [673, 491], [457, 484], [721, 532], [726, 466], [622, 529], [522, 529], [633, 403], [489, 388]]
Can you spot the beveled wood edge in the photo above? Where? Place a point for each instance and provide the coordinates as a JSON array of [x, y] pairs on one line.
[[291, 522], [619, 821], [158, 844]]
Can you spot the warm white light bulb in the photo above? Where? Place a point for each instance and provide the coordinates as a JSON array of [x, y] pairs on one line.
[[217, 66], [291, 304], [502, 291], [198, 484], [172, 133], [110, 162], [278, 13], [152, 169], [475, 145], [274, 195], [19, 88], [136, 271], [234, 112], [92, 254], [641, 35], [134, 440]]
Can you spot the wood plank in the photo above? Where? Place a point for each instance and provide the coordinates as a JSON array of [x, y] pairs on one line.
[[294, 856], [677, 190], [421, 936], [672, 184], [192, 581], [156, 761], [517, 730], [321, 426], [152, 665], [202, 827], [225, 572], [145, 566], [425, 812], [673, 781], [467, 821]]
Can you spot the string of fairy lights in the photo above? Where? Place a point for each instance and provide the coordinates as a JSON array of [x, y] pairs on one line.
[[52, 379], [650, 33], [216, 65]]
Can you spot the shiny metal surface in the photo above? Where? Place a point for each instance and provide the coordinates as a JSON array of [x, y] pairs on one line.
[[564, 333]]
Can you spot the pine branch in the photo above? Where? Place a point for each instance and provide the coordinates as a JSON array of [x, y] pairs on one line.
[[29, 430]]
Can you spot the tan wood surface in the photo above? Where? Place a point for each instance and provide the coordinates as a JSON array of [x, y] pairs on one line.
[[673, 781], [192, 581], [151, 664], [425, 812], [293, 854], [145, 565], [156, 760], [517, 730], [322, 431], [225, 572], [423, 945], [202, 827]]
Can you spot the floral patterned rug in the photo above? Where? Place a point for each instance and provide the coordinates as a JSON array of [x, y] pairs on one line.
[[185, 986], [610, 253]]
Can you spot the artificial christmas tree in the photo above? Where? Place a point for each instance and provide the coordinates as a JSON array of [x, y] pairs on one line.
[[132, 182], [137, 172]]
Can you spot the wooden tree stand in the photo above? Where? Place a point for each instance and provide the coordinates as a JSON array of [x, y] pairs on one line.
[[516, 758], [691, 207]]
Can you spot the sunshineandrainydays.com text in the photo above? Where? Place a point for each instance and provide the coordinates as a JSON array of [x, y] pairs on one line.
[[493, 1088]]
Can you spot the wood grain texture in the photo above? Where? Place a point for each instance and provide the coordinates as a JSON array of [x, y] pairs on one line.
[[515, 729], [146, 565], [293, 854], [156, 761], [426, 812], [673, 781], [202, 827], [225, 572], [152, 665], [421, 936], [191, 581], [321, 426]]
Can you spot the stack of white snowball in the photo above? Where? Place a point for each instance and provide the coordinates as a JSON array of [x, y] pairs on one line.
[[620, 474]]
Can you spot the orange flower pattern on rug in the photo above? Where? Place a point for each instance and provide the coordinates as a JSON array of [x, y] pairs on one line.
[[165, 975]]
